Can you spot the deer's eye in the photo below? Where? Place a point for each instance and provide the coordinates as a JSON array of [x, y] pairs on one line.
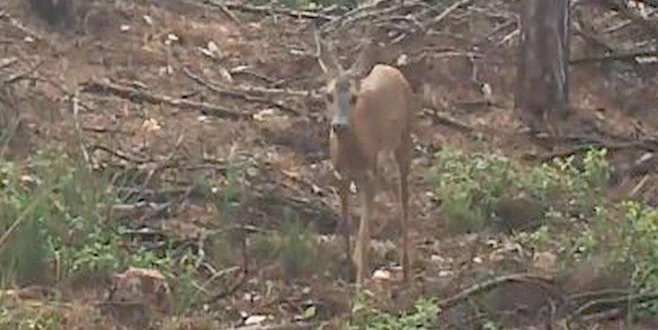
[[329, 97], [353, 99]]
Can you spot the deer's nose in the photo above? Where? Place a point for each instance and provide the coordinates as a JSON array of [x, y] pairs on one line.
[[338, 126]]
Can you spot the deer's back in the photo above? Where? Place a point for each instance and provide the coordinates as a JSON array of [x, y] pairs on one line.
[[383, 112]]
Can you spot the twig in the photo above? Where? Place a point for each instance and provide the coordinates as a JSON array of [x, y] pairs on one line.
[[313, 94], [243, 70], [447, 120], [639, 186], [134, 95], [493, 283], [17, 24], [23, 215], [637, 298], [237, 94], [23, 75], [646, 144], [352, 14], [647, 26], [120, 154], [7, 62], [164, 163], [139, 205], [447, 11], [268, 10], [75, 105], [245, 271], [9, 135], [602, 316], [501, 27], [287, 326], [613, 57]]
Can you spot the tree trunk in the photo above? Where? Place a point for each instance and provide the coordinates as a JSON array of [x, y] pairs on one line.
[[542, 73]]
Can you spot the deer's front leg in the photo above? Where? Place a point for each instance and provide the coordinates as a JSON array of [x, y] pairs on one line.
[[362, 244], [345, 224]]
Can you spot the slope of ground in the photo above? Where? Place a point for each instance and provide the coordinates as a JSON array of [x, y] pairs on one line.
[[207, 122]]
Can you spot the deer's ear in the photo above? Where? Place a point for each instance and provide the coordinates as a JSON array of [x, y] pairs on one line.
[[366, 60]]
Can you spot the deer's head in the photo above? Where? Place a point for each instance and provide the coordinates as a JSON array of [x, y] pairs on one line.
[[343, 88]]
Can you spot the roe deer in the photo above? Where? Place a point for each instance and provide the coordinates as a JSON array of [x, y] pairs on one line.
[[372, 112]]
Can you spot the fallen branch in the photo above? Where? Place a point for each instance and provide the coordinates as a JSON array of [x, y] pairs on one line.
[[448, 10], [362, 12], [238, 94], [119, 154], [612, 307], [447, 120], [268, 10], [8, 61], [18, 25], [645, 144], [492, 284], [134, 95], [636, 18], [288, 326], [313, 94], [614, 57], [238, 234], [23, 75]]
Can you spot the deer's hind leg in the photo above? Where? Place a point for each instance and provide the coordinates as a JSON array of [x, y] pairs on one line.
[[345, 224], [365, 186]]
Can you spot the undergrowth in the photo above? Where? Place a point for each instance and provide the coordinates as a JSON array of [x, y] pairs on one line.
[[55, 220], [577, 220], [54, 215]]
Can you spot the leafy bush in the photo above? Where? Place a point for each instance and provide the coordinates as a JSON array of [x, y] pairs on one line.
[[471, 186], [52, 220], [51, 212], [424, 316]]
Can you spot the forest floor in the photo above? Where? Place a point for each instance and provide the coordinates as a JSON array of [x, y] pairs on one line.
[[207, 123]]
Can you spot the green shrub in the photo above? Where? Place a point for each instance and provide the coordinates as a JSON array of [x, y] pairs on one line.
[[471, 185], [424, 316]]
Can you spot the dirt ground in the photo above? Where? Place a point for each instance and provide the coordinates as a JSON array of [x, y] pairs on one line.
[[176, 91]]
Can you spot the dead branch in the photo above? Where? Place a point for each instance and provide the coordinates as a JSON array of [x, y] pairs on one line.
[[23, 75], [237, 94], [288, 326], [120, 154], [242, 236], [478, 288], [312, 94], [75, 107], [18, 25], [244, 70], [447, 120], [353, 15], [612, 305], [448, 10], [621, 7], [268, 10], [135, 95], [614, 57], [645, 144], [7, 62]]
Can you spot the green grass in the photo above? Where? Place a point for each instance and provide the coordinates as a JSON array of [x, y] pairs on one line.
[[55, 224]]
